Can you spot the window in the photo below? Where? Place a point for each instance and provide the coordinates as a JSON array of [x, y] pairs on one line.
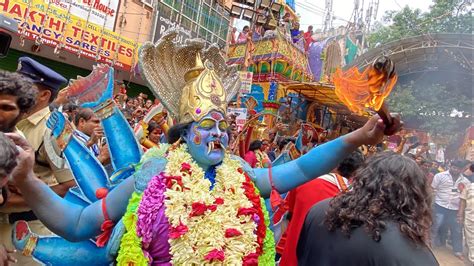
[[224, 29], [148, 2], [164, 11], [186, 23], [177, 5], [203, 33], [190, 9], [204, 16]]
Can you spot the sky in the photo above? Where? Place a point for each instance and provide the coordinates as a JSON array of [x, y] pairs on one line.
[[342, 9]]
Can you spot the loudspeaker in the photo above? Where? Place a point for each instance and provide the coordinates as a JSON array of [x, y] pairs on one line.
[[5, 41]]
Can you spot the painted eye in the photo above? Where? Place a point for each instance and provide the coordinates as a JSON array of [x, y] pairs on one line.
[[207, 124], [223, 125]]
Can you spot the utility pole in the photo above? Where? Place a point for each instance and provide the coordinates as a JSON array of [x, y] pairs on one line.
[[328, 18]]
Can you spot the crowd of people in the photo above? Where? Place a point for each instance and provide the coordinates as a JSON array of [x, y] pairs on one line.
[[380, 208], [288, 28]]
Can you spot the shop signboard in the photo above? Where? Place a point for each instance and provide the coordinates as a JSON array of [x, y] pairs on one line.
[[76, 34], [240, 116]]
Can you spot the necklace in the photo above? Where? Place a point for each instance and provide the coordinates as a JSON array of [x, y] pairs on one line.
[[225, 225]]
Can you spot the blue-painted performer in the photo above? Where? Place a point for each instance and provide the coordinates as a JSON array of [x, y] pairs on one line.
[[190, 202]]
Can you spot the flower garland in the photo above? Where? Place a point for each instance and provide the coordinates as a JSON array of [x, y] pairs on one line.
[[206, 227]]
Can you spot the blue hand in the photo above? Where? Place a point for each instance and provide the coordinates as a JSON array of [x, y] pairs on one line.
[[56, 122], [106, 95]]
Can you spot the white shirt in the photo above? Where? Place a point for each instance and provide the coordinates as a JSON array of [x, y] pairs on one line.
[[447, 193], [84, 139]]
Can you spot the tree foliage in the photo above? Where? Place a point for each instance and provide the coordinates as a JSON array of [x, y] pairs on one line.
[[425, 105], [453, 16], [432, 109]]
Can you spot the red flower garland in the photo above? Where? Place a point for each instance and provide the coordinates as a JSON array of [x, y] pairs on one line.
[[231, 232], [215, 254], [178, 231], [255, 210]]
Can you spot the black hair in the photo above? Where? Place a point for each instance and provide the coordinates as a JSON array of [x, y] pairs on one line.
[[84, 113], [459, 163], [152, 126], [8, 154], [389, 187], [282, 143], [18, 85], [69, 107], [177, 131], [350, 164], [255, 145]]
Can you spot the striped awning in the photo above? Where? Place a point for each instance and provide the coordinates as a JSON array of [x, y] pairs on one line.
[[322, 93]]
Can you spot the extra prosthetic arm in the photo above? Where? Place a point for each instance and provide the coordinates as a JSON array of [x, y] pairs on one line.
[[69, 220], [125, 151], [53, 250], [318, 161], [66, 217]]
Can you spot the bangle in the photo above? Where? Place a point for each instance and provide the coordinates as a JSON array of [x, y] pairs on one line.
[[105, 109], [64, 137], [30, 246]]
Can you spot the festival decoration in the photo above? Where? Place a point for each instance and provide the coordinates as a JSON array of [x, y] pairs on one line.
[[163, 65], [89, 89], [272, 58]]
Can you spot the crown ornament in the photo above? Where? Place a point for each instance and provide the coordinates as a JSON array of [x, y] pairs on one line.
[[186, 86]]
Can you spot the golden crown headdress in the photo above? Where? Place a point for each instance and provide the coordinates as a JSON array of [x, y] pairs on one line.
[[186, 86]]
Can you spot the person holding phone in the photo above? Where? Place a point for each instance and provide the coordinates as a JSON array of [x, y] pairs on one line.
[[90, 132]]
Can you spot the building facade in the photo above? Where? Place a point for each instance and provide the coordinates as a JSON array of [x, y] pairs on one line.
[[135, 20], [206, 19]]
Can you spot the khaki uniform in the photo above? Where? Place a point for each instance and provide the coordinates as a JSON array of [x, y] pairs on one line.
[[468, 195], [34, 128]]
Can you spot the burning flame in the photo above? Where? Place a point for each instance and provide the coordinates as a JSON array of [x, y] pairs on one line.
[[368, 89], [90, 88]]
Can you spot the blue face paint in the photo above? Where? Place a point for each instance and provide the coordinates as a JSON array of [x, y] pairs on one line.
[[211, 130]]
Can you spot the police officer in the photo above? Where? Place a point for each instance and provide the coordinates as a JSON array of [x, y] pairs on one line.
[[48, 165]]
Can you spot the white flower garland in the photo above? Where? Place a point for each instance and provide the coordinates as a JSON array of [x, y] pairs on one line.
[[207, 233]]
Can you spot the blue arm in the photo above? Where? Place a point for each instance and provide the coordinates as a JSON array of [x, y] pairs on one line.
[[318, 161], [125, 151], [72, 221], [88, 172], [56, 251]]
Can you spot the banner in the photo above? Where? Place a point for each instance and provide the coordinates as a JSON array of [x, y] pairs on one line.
[[240, 114], [164, 23], [100, 12], [246, 81], [76, 34]]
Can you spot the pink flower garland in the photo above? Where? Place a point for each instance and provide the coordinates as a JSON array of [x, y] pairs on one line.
[[152, 201]]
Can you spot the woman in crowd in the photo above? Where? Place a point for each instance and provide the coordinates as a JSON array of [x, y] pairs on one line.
[[384, 220], [256, 156], [155, 134]]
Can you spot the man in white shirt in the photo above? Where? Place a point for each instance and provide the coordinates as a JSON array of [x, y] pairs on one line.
[[90, 133], [447, 187]]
